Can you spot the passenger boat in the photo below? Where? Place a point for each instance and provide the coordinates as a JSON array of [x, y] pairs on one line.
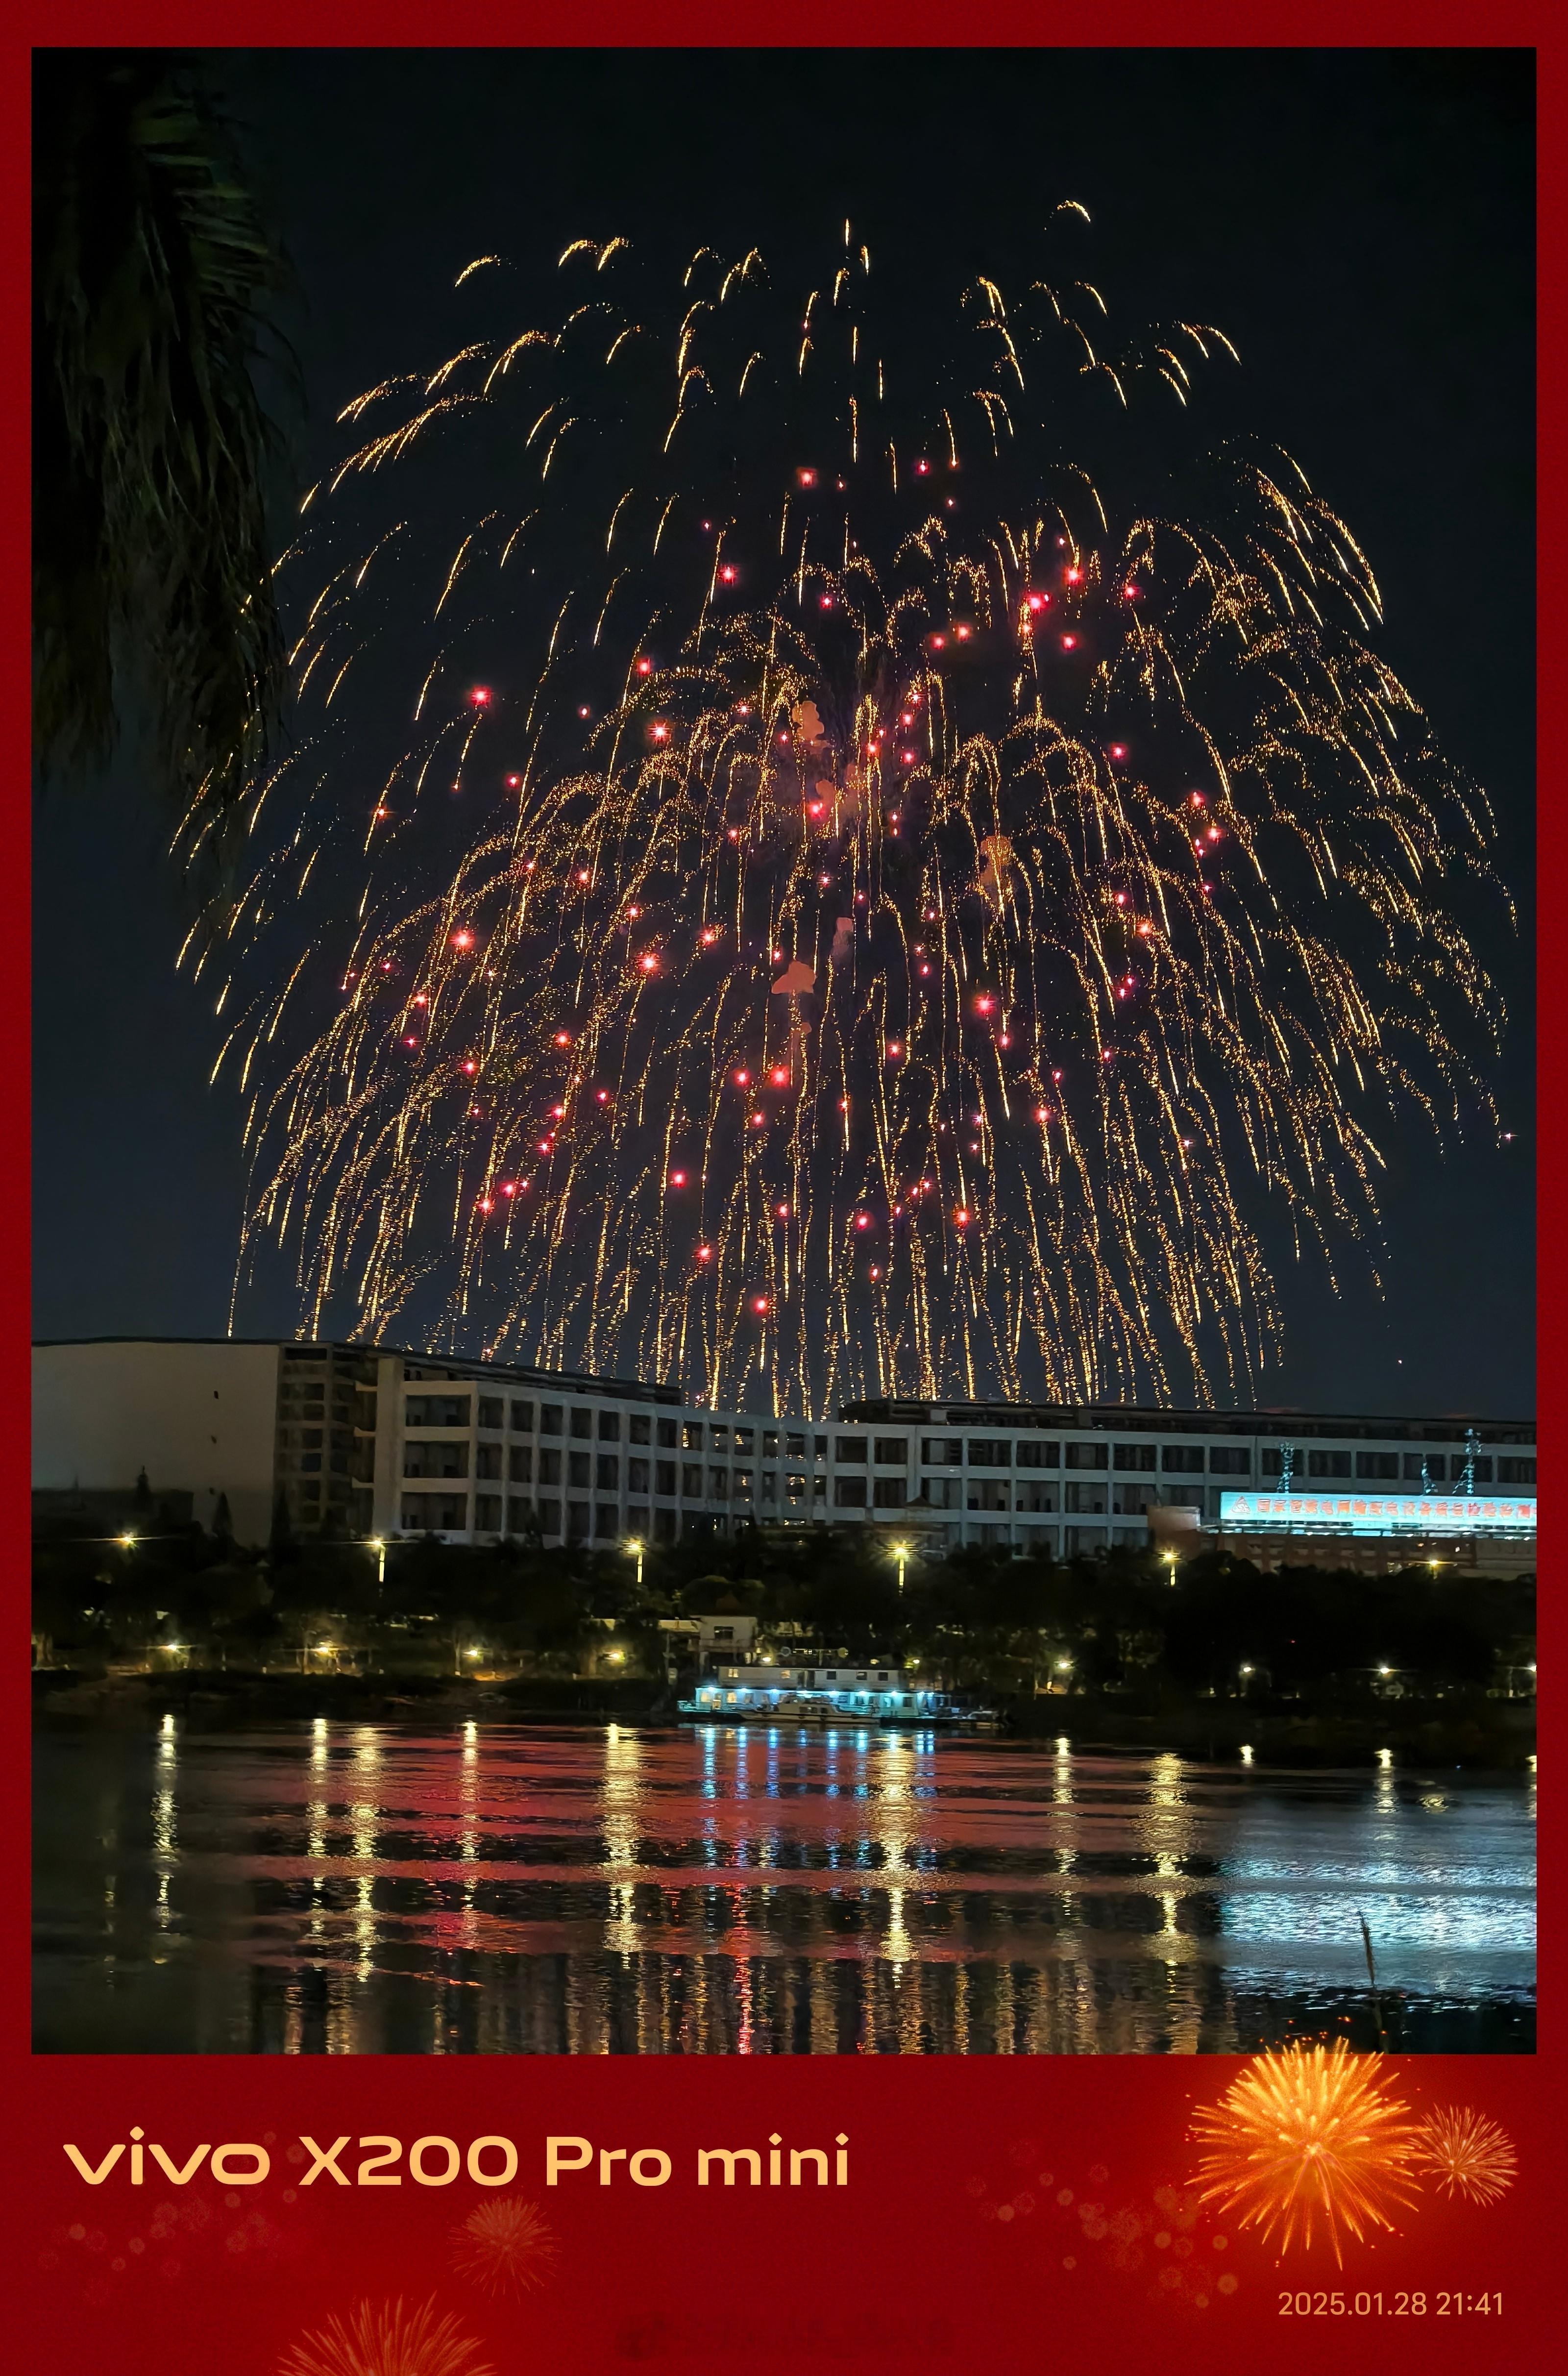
[[763, 1693]]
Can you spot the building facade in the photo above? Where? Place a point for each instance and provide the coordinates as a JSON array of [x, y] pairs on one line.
[[370, 1443]]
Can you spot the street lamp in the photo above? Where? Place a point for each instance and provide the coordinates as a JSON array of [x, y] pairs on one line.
[[901, 1553], [636, 1546], [379, 1545], [127, 1542], [1171, 1559]]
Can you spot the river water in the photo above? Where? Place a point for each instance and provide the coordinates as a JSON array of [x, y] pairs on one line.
[[341, 1888]]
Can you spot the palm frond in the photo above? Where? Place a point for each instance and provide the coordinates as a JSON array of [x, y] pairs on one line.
[[152, 280]]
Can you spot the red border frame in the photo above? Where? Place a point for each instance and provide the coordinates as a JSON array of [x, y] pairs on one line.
[[919, 2126]]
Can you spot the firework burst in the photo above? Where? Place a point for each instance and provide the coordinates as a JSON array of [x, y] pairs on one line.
[[1469, 2155], [1310, 2140], [507, 2246], [843, 859], [385, 2339]]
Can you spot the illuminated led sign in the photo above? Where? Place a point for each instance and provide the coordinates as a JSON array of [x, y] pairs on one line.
[[1380, 1513]]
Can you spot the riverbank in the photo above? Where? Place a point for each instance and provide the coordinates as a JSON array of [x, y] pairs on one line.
[[1470, 1729]]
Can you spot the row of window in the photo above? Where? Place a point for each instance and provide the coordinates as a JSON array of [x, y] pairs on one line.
[[691, 1482], [435, 1457], [1412, 1467], [519, 1416], [584, 1521]]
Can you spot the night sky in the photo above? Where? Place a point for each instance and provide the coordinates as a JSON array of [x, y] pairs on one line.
[[1360, 224]]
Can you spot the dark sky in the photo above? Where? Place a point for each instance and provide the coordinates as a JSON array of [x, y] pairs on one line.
[[1359, 223]]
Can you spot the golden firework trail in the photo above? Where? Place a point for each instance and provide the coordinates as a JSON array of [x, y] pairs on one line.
[[507, 2246], [824, 856], [385, 2339], [1469, 2155], [1309, 2142]]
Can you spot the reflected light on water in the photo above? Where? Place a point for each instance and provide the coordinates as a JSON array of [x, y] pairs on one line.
[[771, 1889]]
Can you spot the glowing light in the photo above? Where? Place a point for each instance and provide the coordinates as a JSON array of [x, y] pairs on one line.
[[1470, 2155], [479, 697], [791, 743], [506, 2247], [387, 2339], [704, 1254], [1311, 2140]]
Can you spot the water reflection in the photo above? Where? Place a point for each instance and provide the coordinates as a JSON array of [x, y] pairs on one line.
[[344, 1888]]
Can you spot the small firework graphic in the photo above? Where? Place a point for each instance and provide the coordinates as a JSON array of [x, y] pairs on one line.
[[385, 2339], [507, 2246], [1468, 2155], [1310, 2140]]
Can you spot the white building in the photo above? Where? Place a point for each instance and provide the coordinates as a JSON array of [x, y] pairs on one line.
[[385, 1443]]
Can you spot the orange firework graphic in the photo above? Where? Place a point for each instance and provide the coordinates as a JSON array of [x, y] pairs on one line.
[[385, 2339], [1309, 2142], [1470, 2155], [507, 2247]]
